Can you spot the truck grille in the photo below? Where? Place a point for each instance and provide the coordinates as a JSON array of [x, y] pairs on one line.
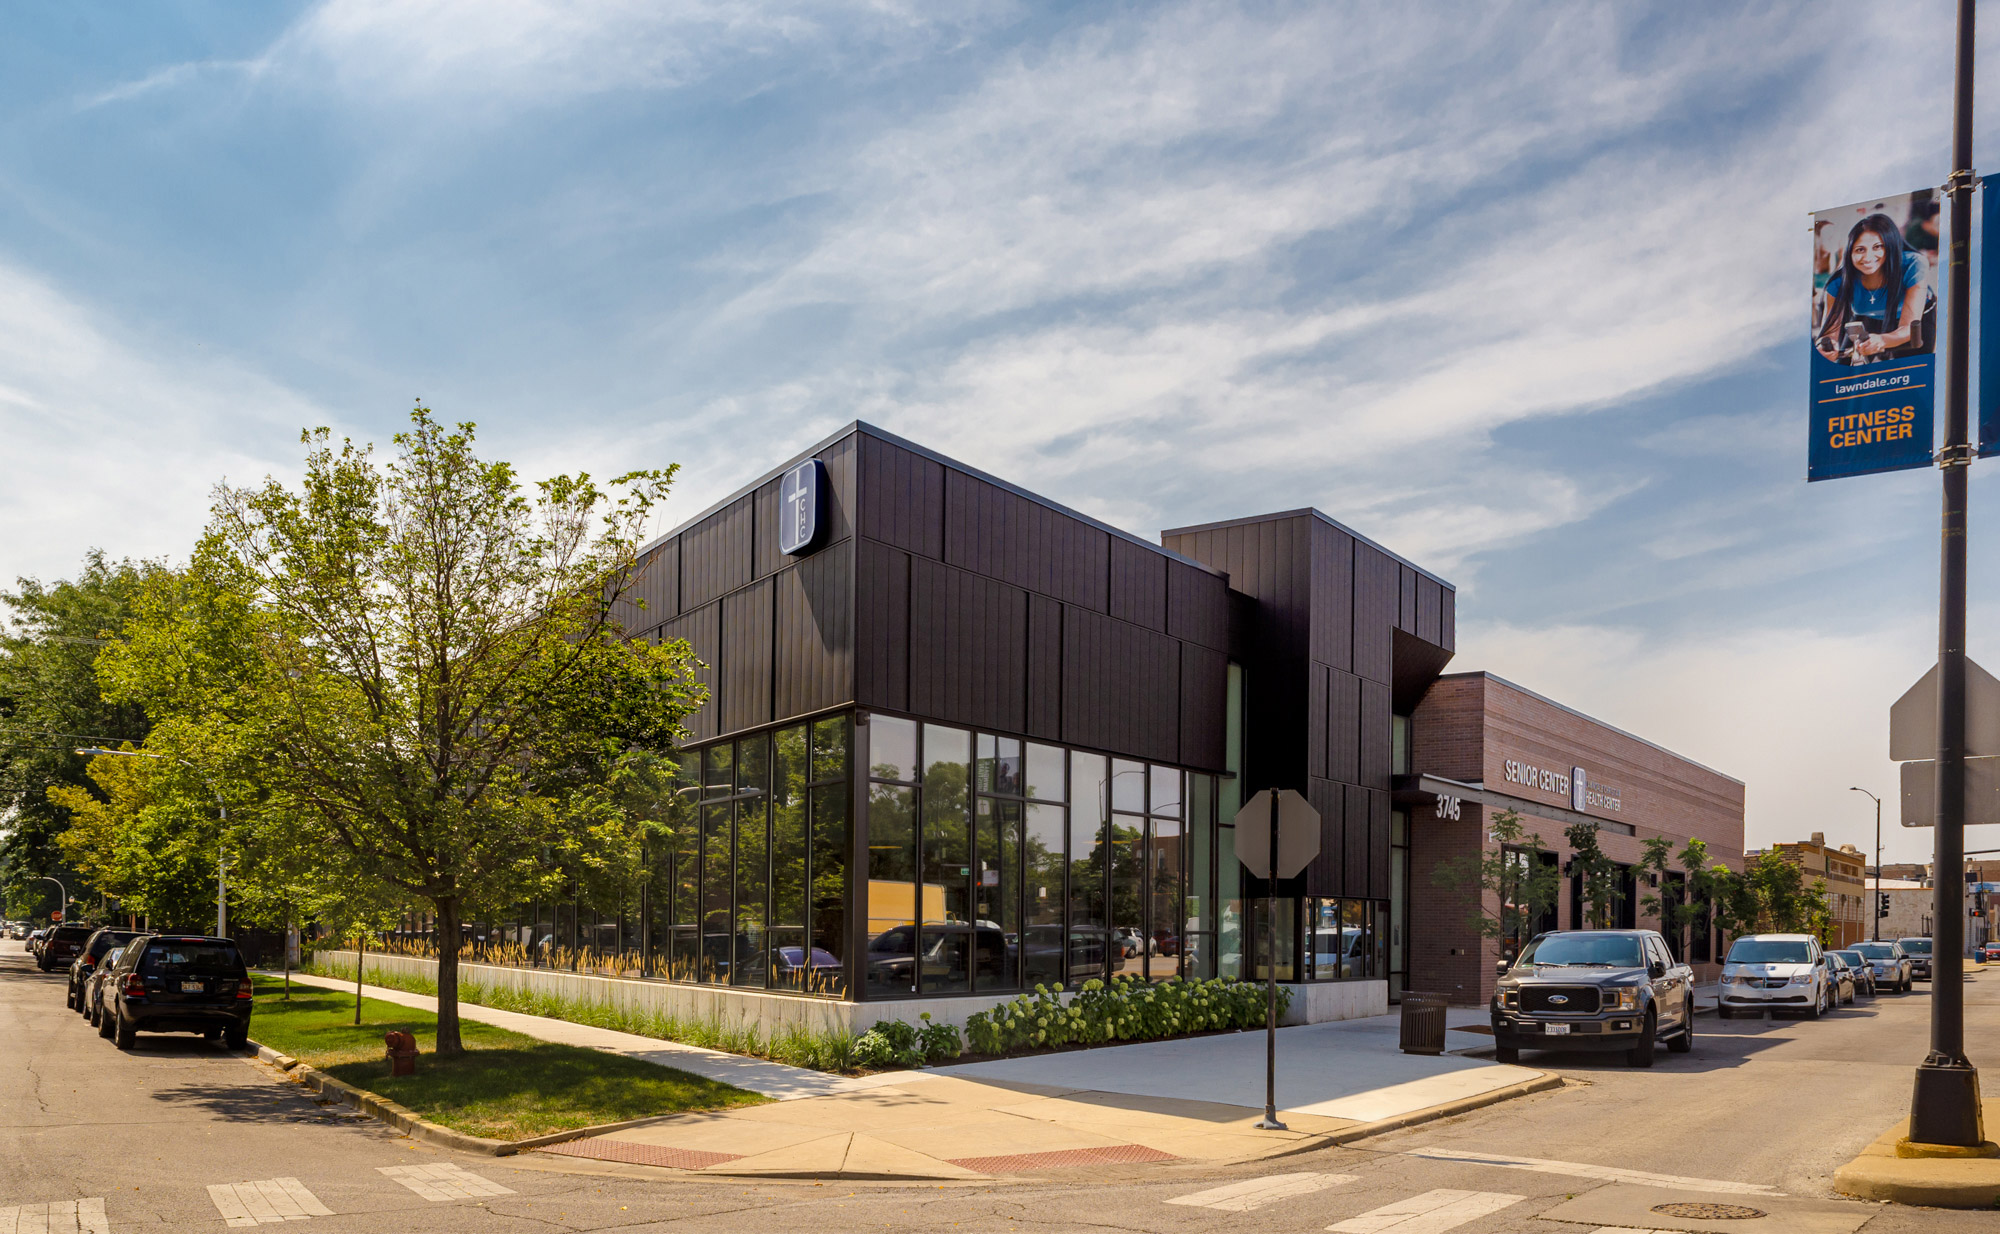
[[1576, 999]]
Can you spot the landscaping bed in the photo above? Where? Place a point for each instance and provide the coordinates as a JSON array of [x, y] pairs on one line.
[[505, 1086]]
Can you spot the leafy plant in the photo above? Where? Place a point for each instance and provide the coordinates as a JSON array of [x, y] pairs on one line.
[[1602, 878], [1123, 1009], [1512, 887]]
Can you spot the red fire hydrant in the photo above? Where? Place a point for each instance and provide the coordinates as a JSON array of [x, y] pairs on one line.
[[402, 1053]]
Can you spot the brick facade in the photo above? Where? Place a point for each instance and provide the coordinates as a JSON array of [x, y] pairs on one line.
[[1512, 748]]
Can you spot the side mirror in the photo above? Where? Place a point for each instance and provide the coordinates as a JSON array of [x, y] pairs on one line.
[[1657, 969], [1500, 969]]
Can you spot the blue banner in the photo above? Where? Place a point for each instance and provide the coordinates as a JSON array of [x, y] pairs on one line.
[[1989, 329], [1874, 333]]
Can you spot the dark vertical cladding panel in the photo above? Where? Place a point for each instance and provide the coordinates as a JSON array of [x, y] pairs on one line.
[[1375, 705], [1406, 599], [1323, 875], [929, 638], [1333, 596], [1161, 701], [1084, 568], [702, 631], [663, 580], [1448, 639], [1430, 611], [882, 626], [1120, 686], [1197, 606], [1044, 701], [901, 497], [840, 459], [1204, 701], [1343, 727], [968, 640], [1378, 846], [716, 553], [1138, 584], [746, 657], [815, 635], [1317, 741], [1377, 579], [1354, 841], [1085, 679]]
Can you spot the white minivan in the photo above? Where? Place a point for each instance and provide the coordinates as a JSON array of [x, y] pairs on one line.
[[1775, 972]]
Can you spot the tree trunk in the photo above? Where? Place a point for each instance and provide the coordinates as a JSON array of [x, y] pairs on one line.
[[360, 963], [287, 945], [447, 976]]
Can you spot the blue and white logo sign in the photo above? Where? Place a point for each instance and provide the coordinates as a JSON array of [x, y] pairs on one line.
[[801, 507]]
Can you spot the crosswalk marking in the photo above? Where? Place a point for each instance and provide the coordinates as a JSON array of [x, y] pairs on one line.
[[1578, 1169], [1255, 1193], [270, 1201], [1433, 1212], [59, 1217], [443, 1180]]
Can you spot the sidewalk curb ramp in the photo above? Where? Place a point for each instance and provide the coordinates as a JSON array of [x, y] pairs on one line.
[[1882, 1172]]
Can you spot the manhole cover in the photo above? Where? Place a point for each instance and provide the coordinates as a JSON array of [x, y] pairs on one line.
[[1709, 1212]]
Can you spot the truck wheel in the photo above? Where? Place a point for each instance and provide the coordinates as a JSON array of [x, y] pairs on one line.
[[1641, 1053], [1506, 1054], [236, 1036], [1684, 1042]]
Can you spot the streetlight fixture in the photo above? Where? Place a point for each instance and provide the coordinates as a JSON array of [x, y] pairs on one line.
[[221, 852], [49, 878], [1875, 935]]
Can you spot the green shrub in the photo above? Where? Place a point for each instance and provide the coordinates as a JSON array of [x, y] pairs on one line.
[[889, 1044], [1123, 1009]]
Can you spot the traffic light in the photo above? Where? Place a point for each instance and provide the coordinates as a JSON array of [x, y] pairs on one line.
[[1882, 904]]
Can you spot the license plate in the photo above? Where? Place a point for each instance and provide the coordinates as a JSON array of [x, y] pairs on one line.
[[192, 987], [1557, 1030]]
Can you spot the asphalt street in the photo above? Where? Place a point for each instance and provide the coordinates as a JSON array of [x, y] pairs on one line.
[[181, 1135]]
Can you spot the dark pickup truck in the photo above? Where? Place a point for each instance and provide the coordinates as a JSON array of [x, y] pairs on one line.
[[1594, 990]]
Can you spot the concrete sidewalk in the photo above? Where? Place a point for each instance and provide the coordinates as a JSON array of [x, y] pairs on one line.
[[1195, 1099]]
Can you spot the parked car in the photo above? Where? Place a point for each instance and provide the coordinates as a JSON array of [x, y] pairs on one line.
[[1990, 953], [93, 987], [1892, 969], [86, 962], [1861, 967], [1775, 972], [62, 945], [1841, 977], [1919, 951], [178, 983], [1594, 990]]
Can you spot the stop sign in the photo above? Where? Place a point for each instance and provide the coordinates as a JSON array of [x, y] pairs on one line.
[[1298, 833]]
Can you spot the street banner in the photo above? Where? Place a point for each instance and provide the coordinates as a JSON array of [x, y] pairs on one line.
[[1874, 330], [1989, 322]]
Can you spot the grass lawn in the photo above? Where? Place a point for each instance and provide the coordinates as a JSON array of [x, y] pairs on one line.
[[505, 1086]]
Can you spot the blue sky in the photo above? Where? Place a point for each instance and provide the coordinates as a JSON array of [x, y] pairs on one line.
[[1516, 290]]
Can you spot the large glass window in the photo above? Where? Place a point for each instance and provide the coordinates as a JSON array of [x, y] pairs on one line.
[[1090, 941], [825, 959], [946, 941], [789, 773], [749, 964], [892, 888], [1198, 945], [1043, 941]]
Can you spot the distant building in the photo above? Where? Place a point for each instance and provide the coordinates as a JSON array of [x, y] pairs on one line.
[[1847, 890], [1910, 908]]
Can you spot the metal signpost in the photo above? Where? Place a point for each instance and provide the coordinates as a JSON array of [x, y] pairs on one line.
[[1277, 835]]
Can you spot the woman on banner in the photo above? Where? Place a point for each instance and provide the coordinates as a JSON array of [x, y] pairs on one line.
[[1880, 305]]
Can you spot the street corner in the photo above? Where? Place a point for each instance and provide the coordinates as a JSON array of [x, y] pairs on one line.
[[1642, 1209], [1891, 1170]]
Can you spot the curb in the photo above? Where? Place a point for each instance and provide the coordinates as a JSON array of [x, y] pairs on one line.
[[1547, 1081], [1934, 1182]]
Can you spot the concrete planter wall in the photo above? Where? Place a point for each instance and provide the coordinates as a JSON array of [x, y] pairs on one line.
[[1312, 1003]]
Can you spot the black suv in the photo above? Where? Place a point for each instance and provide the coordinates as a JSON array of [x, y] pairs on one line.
[[178, 983], [62, 945], [86, 962], [1594, 990]]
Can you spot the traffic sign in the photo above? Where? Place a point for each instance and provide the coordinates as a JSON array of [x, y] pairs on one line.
[[1982, 792], [1298, 833], [1913, 718]]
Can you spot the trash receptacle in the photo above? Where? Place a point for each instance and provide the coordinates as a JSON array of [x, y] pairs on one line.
[[1423, 1023], [402, 1052]]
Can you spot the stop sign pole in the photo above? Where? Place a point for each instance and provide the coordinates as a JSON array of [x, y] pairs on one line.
[[1294, 841]]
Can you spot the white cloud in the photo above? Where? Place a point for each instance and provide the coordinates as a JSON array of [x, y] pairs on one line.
[[116, 441]]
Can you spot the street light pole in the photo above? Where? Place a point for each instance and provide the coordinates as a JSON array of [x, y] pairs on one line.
[[1875, 934], [1944, 1104], [221, 849], [49, 878]]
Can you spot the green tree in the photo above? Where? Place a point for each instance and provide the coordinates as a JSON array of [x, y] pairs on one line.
[[1603, 878], [50, 704], [439, 678], [1512, 887]]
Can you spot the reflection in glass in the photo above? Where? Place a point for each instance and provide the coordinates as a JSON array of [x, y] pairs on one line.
[[753, 764], [1089, 869], [1198, 951], [1128, 908], [892, 749], [788, 857], [1229, 905], [829, 891], [829, 749], [1166, 792], [1042, 941], [1262, 944], [1163, 880], [717, 770], [1128, 786], [892, 889], [1045, 773], [718, 861], [999, 765], [753, 873], [945, 938], [997, 896]]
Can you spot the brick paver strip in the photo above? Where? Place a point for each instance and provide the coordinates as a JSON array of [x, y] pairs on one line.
[[640, 1154], [1112, 1154]]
